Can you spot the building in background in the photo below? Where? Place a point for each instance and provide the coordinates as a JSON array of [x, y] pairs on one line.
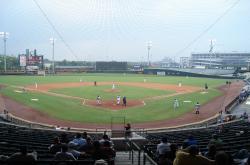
[[169, 63], [234, 60], [184, 62]]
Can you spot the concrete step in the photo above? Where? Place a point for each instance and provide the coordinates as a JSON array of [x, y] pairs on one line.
[[122, 158]]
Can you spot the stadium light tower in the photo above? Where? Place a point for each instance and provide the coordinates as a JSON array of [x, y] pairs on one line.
[[4, 35], [52, 41], [211, 51], [149, 46]]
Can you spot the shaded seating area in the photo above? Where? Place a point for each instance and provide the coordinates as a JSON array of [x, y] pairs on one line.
[[13, 137], [234, 137]]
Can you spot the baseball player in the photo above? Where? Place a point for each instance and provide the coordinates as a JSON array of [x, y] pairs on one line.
[[180, 84], [113, 86], [206, 87], [98, 100], [197, 108], [36, 85], [176, 104], [118, 100]]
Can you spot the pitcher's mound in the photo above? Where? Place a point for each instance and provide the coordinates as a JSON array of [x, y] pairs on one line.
[[110, 104]]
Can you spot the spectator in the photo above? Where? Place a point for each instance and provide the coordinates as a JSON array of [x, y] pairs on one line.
[[72, 149], [165, 161], [169, 156], [56, 146], [173, 149], [191, 140], [216, 141], [58, 128], [127, 130], [108, 153], [221, 158], [64, 138], [79, 140], [97, 152], [221, 128], [244, 116], [163, 147], [184, 144], [88, 147], [106, 138], [241, 156], [85, 135], [64, 154], [211, 152], [23, 156], [220, 117], [191, 157]]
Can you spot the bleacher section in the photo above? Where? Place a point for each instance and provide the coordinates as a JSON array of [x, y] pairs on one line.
[[235, 136], [12, 137]]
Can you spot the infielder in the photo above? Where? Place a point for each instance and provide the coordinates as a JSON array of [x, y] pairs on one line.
[[118, 100], [98, 100], [176, 104], [197, 108]]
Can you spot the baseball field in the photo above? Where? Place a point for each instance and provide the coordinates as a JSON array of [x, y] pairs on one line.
[[72, 98]]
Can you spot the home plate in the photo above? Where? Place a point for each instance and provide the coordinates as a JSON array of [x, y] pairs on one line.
[[187, 101], [34, 99], [17, 91]]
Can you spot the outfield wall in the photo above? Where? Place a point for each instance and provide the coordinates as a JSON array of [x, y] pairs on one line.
[[170, 72]]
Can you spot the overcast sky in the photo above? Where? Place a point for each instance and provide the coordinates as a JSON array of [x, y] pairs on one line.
[[120, 29]]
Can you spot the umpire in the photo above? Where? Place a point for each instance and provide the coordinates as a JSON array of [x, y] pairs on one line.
[[124, 100]]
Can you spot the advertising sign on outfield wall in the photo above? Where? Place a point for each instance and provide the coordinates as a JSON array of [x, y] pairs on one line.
[[161, 73]]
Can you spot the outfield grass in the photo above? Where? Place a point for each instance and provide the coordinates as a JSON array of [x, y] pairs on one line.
[[91, 92], [31, 80]]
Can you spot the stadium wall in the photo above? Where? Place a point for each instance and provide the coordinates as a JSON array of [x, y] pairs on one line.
[[170, 72]]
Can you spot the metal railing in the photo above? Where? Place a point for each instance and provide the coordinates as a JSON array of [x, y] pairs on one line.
[[136, 151], [147, 158]]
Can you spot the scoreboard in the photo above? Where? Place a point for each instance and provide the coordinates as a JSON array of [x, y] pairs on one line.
[[31, 60]]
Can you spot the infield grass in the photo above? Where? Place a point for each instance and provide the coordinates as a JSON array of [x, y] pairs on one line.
[[91, 92]]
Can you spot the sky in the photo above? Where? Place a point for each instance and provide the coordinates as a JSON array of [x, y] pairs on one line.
[[104, 30]]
